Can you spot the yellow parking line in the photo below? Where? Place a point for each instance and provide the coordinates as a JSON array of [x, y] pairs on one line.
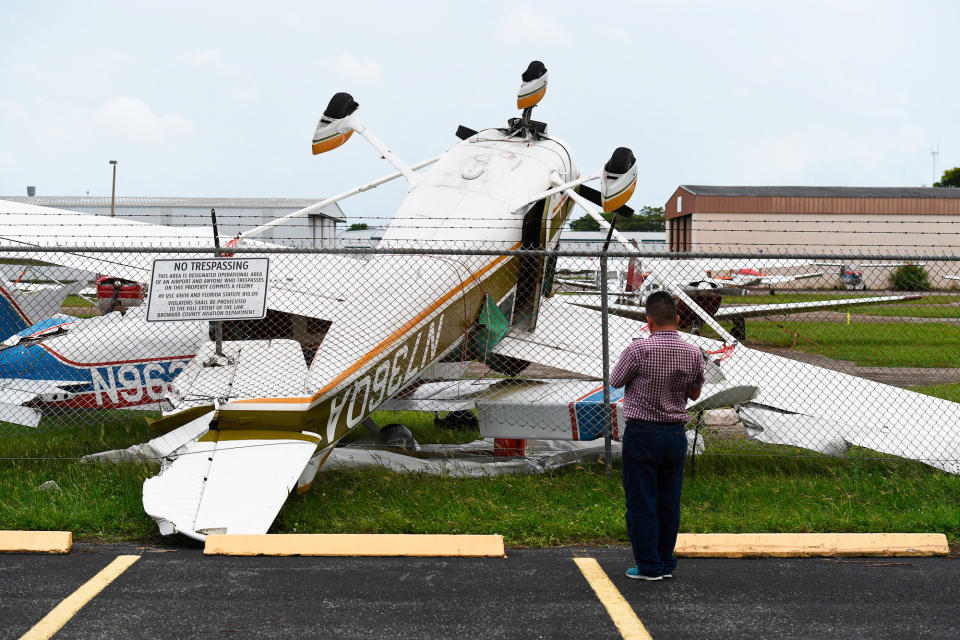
[[622, 614], [61, 614]]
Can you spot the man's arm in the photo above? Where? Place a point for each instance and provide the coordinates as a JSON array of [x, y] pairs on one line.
[[626, 368], [697, 385]]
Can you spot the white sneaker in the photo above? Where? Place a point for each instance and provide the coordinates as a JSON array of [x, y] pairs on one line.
[[634, 574]]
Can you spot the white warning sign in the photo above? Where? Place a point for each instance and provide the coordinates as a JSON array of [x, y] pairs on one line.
[[208, 289]]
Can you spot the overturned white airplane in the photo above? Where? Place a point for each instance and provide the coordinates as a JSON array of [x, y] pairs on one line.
[[255, 421]]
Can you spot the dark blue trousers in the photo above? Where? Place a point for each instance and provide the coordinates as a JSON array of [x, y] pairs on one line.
[[653, 455]]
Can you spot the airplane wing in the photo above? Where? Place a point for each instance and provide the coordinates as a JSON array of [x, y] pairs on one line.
[[781, 279], [761, 310], [694, 269], [28, 227], [807, 406], [796, 403], [556, 343], [587, 285]]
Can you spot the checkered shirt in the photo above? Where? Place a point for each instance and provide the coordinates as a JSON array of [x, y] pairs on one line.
[[659, 372]]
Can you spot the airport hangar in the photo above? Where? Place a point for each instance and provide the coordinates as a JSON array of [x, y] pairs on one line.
[[234, 215], [879, 220]]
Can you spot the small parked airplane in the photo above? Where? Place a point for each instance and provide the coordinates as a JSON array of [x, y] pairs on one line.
[[850, 276], [340, 342], [753, 277], [632, 286]]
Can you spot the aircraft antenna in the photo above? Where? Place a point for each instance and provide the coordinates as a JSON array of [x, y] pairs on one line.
[[933, 154]]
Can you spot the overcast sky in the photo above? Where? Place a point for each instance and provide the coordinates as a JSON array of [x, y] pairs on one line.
[[221, 98]]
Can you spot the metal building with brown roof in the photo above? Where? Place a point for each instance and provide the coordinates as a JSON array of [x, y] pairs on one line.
[[819, 219]]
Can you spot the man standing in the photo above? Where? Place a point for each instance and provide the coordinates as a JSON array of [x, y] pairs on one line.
[[660, 373]]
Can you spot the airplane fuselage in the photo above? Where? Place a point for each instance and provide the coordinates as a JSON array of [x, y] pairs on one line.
[[402, 313]]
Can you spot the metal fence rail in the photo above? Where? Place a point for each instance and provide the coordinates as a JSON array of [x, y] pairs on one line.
[[513, 344]]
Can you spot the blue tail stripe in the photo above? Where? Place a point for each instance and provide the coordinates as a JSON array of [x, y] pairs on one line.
[[589, 412], [11, 321]]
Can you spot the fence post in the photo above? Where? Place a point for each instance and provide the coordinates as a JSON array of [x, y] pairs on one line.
[[218, 324], [605, 341]]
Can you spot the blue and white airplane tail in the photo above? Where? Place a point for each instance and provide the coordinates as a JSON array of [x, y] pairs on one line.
[[21, 309]]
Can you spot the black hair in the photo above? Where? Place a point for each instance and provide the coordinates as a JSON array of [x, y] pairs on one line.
[[661, 309]]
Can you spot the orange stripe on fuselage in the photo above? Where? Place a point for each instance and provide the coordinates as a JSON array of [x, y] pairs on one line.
[[559, 204], [380, 348]]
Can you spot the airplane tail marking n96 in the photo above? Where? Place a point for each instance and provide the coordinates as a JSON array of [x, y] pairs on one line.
[[100, 385]]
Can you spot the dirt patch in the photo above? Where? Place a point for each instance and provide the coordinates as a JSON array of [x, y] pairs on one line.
[[80, 312]]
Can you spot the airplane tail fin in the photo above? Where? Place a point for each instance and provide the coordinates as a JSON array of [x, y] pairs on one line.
[[21, 309], [634, 274]]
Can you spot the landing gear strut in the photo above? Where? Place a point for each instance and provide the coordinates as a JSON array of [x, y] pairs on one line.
[[394, 435]]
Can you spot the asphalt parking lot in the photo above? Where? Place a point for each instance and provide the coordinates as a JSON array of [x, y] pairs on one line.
[[533, 593]]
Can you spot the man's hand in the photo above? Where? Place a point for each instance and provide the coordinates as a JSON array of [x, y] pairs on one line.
[[693, 394]]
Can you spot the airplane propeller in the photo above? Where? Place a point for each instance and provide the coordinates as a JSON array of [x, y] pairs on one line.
[[534, 85], [330, 132], [618, 179], [338, 123]]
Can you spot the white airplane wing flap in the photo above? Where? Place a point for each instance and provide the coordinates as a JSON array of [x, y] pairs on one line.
[[448, 395], [16, 414], [228, 481], [781, 279], [798, 430]]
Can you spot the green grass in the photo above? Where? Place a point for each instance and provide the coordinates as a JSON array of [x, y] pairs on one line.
[[901, 344], [753, 491], [96, 501], [581, 505], [949, 392], [77, 301], [906, 310]]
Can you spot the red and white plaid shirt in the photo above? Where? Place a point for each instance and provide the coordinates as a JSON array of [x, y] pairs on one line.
[[659, 373]]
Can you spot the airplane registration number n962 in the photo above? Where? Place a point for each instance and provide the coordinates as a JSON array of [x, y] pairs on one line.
[[123, 385]]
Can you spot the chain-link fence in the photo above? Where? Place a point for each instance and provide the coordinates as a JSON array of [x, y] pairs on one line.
[[805, 353]]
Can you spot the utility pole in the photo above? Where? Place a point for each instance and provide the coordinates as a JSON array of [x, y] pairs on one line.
[[113, 189]]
